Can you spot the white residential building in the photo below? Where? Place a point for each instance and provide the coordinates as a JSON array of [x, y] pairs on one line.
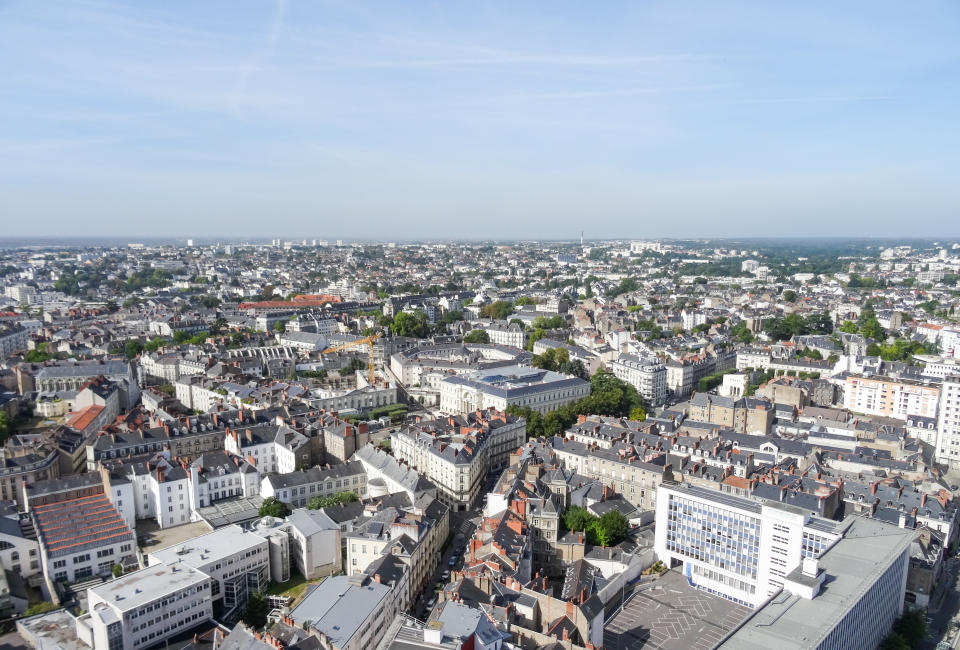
[[948, 423], [315, 546], [145, 608], [888, 397], [648, 376], [457, 452], [273, 448], [741, 549], [298, 488]]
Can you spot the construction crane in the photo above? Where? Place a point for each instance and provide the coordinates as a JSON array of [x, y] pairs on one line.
[[352, 344]]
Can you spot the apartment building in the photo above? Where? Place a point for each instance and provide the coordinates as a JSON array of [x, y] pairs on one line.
[[744, 415], [413, 532], [740, 549], [273, 448], [19, 552], [237, 561], [13, 338], [888, 397], [456, 452], [145, 608], [540, 390], [341, 439], [683, 374], [648, 376], [22, 465], [298, 488], [385, 475], [948, 423]]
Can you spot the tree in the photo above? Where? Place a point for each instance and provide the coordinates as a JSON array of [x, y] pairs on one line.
[[615, 525], [742, 333], [789, 296], [117, 570], [273, 507], [6, 426], [638, 414], [848, 327], [894, 641], [256, 610], [499, 310], [333, 500], [912, 627], [411, 324], [872, 329], [577, 518], [132, 348], [280, 326], [477, 336]]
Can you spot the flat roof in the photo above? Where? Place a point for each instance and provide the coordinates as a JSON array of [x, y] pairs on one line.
[[722, 498], [147, 585], [220, 544], [852, 565]]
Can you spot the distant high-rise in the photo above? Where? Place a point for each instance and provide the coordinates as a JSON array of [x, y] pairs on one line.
[[189, 243]]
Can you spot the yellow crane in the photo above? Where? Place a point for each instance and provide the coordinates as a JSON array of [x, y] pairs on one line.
[[352, 344]]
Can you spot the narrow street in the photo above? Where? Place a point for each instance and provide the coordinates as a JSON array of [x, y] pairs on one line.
[[942, 623]]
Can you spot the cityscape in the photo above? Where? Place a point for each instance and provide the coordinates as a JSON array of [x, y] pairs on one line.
[[581, 444], [479, 326]]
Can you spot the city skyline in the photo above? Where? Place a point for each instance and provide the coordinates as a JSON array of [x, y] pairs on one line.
[[479, 121]]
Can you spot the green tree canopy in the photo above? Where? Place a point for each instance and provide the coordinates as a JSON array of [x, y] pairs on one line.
[[411, 324], [333, 500], [477, 336], [256, 610], [499, 310], [273, 507]]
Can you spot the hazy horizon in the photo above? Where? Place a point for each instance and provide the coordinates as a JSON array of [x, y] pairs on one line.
[[481, 121]]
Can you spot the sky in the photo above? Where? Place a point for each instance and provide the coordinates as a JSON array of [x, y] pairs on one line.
[[492, 120]]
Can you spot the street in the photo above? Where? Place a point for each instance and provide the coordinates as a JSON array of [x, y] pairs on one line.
[[941, 623]]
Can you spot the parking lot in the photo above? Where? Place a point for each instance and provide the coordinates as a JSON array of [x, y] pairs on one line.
[[674, 616]]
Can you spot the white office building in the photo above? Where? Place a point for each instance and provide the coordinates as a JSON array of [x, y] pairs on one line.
[[648, 376], [145, 608], [846, 600], [740, 549], [238, 562]]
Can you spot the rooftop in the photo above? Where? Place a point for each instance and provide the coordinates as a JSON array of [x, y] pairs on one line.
[[338, 607], [68, 527], [852, 565], [146, 585], [212, 547]]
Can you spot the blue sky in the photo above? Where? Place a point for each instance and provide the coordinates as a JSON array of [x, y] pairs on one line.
[[480, 119]]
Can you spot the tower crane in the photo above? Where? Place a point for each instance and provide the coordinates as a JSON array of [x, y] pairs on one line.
[[352, 344]]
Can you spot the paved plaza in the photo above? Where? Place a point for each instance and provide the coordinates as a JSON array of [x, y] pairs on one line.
[[674, 616]]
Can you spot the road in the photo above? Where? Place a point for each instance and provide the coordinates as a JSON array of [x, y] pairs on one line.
[[940, 622]]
